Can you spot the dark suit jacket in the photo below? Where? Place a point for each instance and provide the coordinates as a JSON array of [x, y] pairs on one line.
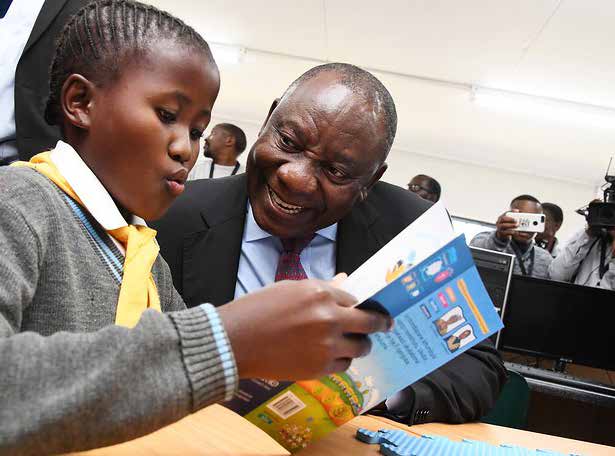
[[200, 237], [32, 78]]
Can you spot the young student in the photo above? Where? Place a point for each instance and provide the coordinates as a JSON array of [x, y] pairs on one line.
[[87, 360]]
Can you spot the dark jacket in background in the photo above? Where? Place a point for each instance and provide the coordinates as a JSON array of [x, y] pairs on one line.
[[200, 237], [32, 78]]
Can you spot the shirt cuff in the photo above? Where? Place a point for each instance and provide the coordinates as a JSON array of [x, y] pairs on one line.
[[207, 355]]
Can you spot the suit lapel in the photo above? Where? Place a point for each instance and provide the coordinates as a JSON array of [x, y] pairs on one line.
[[356, 238], [48, 13], [211, 255]]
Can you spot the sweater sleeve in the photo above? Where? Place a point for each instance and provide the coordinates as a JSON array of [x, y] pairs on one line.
[[77, 391], [488, 240]]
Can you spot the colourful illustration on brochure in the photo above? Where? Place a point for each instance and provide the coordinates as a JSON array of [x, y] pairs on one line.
[[441, 309]]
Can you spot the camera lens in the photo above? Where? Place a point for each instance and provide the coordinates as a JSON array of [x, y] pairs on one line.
[[534, 223]]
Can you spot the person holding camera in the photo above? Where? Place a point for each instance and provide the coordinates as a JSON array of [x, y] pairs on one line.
[[587, 258], [531, 260]]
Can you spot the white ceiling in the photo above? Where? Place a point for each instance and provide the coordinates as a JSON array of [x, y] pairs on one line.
[[562, 49]]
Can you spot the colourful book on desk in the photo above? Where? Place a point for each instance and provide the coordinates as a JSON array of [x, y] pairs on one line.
[[441, 309]]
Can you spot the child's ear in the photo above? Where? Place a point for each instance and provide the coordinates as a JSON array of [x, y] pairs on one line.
[[76, 100]]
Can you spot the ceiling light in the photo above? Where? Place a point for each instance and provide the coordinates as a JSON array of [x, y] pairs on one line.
[[548, 108]]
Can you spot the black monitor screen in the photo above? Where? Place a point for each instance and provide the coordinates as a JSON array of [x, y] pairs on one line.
[[560, 321]]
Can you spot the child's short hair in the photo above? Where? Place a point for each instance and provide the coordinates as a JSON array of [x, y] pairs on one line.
[[97, 40]]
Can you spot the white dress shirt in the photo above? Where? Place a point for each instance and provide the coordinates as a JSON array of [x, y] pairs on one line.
[[203, 167]]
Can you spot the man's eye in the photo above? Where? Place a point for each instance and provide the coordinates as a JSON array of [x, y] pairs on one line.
[[166, 116], [195, 134], [335, 172], [287, 141]]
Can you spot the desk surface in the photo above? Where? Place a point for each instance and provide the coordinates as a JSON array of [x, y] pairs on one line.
[[218, 431]]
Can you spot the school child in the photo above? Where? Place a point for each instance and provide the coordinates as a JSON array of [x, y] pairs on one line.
[[86, 358]]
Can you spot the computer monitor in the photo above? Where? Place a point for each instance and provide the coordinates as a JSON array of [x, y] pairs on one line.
[[495, 269], [561, 321]]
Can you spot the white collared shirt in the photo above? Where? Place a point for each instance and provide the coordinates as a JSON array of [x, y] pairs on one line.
[[90, 190], [260, 252], [202, 168], [15, 29]]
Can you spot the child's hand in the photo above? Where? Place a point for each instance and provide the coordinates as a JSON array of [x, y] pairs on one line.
[[298, 330]]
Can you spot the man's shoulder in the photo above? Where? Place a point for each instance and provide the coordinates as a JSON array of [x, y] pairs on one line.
[[216, 197], [396, 201]]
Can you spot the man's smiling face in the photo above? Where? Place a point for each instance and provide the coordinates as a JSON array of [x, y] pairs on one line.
[[318, 151]]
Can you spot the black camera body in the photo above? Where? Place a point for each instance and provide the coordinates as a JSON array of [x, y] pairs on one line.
[[602, 214]]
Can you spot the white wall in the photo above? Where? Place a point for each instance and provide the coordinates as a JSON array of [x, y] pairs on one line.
[[469, 190], [483, 193]]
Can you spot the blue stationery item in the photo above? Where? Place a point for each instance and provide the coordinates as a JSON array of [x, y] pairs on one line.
[[400, 443]]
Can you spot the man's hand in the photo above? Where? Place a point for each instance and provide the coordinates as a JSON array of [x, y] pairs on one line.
[[506, 226], [298, 330]]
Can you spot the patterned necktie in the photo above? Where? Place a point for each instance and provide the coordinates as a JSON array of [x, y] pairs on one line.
[[289, 264]]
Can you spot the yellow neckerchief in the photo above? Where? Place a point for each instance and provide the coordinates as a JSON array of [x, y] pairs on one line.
[[138, 290]]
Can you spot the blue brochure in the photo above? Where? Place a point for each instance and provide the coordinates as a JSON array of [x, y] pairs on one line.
[[441, 308]]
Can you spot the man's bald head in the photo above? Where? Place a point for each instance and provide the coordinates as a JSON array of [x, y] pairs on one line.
[[363, 84]]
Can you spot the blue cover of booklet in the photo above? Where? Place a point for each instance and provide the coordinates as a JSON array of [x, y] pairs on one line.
[[441, 308]]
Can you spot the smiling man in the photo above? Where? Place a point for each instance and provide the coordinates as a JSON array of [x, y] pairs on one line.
[[310, 205]]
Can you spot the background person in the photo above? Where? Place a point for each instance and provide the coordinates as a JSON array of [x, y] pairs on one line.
[[221, 149], [426, 187], [28, 32], [531, 260], [554, 218]]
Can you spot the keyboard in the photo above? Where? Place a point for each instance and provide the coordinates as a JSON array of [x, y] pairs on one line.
[[562, 379]]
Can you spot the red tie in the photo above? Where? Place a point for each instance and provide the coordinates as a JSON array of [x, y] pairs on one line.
[[289, 264]]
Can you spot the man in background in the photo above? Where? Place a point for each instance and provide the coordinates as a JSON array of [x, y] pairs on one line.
[[426, 187], [531, 260], [221, 148], [28, 31], [554, 217]]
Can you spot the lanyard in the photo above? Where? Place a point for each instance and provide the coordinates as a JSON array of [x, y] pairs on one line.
[[211, 169], [519, 255]]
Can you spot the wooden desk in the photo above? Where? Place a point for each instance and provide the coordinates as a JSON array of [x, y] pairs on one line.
[[217, 431]]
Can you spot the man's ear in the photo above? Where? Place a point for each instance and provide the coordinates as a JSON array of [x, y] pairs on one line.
[[375, 178], [77, 101], [274, 105]]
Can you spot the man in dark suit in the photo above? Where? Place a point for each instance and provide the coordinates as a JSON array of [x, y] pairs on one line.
[[30, 133], [312, 180]]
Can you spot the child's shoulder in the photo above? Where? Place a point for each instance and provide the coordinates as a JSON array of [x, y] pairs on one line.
[[24, 189]]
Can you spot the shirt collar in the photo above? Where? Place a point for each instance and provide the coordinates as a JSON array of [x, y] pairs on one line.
[[88, 188], [253, 232]]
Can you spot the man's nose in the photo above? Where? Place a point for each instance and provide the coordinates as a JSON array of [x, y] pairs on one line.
[[299, 176]]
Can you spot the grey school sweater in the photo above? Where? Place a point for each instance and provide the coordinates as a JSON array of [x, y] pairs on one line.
[[69, 378]]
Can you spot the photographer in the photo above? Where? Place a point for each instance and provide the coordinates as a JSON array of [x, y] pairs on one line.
[[587, 259], [531, 260]]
